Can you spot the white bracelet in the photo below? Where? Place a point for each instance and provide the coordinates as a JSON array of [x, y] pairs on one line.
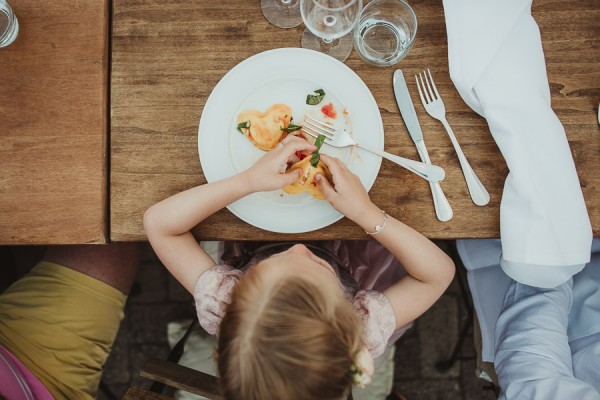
[[379, 228]]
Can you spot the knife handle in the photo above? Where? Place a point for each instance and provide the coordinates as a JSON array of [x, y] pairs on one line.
[[443, 210]]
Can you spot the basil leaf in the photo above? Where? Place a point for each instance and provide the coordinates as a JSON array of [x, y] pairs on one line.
[[319, 142], [313, 100], [314, 161], [291, 128], [243, 125]]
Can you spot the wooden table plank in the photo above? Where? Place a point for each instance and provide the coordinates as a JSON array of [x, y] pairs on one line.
[[53, 102], [168, 57]]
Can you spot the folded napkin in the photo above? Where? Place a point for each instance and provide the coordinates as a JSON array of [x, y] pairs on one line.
[[497, 65]]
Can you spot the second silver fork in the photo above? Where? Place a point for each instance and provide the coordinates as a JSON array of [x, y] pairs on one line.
[[435, 107]]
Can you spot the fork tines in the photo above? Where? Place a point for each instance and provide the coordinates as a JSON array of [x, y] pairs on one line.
[[315, 127], [429, 93]]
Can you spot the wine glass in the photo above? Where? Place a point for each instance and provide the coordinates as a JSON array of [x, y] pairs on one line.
[[328, 23], [282, 13]]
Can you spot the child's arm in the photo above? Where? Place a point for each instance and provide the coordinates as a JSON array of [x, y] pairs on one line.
[[169, 222], [430, 270]]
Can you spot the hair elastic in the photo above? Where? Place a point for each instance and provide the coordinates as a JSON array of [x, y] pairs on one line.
[[362, 368]]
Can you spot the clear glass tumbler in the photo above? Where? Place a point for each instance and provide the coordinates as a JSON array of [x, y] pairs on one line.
[[385, 32], [9, 26]]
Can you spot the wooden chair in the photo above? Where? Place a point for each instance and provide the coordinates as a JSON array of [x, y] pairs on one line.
[[167, 373]]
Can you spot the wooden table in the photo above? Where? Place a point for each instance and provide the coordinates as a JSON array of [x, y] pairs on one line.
[[53, 124], [167, 58]]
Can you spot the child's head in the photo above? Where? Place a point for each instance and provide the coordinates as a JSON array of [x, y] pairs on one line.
[[288, 333]]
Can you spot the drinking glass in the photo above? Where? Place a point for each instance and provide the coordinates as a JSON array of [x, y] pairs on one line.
[[385, 32], [328, 23], [9, 26], [282, 13]]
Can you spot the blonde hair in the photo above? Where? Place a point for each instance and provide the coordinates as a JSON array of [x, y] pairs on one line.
[[286, 341]]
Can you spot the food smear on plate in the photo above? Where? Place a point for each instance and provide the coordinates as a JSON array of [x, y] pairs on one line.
[[266, 129], [329, 111], [311, 165]]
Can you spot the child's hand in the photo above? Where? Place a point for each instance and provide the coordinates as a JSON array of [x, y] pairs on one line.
[[347, 195], [268, 173]]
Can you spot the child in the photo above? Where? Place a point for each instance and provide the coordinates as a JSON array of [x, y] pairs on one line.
[[291, 325]]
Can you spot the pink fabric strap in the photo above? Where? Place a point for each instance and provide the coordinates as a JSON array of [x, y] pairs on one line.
[[18, 383]]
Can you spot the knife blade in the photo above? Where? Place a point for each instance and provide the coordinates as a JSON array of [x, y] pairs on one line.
[[406, 106], [443, 210]]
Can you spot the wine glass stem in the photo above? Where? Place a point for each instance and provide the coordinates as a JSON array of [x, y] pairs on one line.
[[327, 44]]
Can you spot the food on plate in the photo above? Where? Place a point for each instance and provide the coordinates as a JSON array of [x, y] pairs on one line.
[[311, 165], [307, 182], [329, 111], [266, 129]]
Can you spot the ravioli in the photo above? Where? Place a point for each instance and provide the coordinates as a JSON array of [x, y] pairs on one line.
[[265, 129], [307, 182]]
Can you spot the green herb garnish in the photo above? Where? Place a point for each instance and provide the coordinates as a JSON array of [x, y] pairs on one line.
[[315, 155], [313, 100], [291, 128], [243, 125]]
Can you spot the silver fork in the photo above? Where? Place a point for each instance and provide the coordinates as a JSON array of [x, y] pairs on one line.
[[340, 138], [435, 107]]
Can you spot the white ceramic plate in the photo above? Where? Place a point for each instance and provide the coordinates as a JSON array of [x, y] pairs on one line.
[[287, 76]]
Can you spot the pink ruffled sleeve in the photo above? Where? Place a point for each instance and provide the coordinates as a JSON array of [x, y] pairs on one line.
[[378, 319], [212, 294]]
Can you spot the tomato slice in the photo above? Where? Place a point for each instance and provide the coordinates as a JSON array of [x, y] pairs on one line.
[[329, 111]]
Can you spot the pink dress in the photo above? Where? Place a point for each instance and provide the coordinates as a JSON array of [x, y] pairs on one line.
[[365, 269], [17, 382]]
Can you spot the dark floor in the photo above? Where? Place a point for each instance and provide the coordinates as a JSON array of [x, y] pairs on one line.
[[160, 299]]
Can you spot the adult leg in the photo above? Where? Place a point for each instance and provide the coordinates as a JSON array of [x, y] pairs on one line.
[[114, 264], [533, 358], [584, 322], [586, 359], [61, 319]]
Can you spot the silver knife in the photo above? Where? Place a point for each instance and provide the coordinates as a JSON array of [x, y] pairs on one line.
[[443, 211]]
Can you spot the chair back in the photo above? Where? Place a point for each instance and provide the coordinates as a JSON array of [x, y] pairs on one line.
[[169, 374]]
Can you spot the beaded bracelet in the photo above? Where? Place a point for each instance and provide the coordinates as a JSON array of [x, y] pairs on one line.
[[379, 228]]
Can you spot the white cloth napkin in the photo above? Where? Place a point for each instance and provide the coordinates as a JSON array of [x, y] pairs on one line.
[[497, 64]]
